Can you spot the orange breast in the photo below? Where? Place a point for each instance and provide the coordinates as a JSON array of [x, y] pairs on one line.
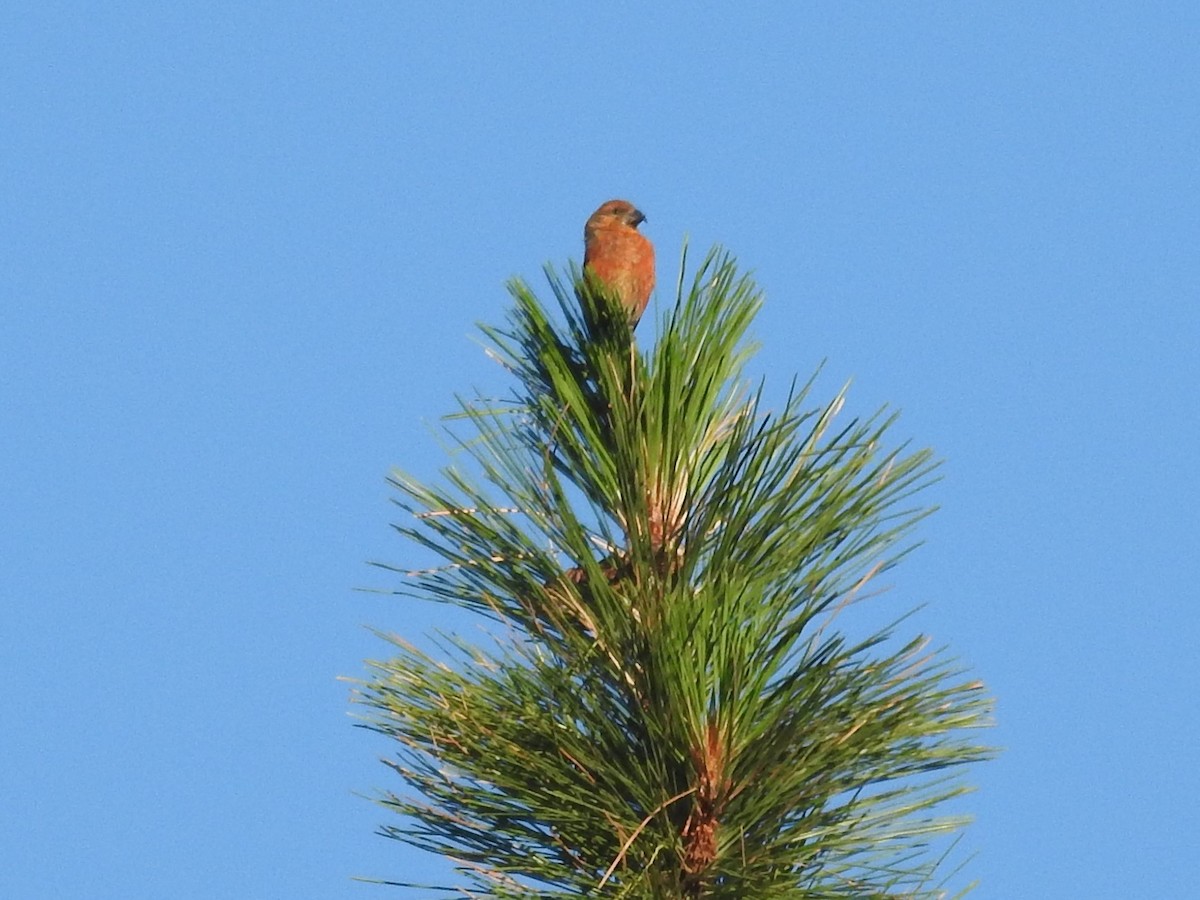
[[622, 258]]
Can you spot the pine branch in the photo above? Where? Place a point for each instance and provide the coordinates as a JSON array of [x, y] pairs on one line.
[[670, 709]]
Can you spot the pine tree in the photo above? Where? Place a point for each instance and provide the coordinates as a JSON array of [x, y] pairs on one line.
[[670, 706]]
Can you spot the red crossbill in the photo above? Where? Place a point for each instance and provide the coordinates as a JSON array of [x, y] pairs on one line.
[[617, 255]]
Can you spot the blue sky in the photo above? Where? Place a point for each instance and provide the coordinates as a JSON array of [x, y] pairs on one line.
[[242, 252]]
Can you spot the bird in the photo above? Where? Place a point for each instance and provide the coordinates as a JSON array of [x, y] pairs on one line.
[[619, 256]]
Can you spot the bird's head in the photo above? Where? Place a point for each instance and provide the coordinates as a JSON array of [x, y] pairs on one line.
[[615, 212]]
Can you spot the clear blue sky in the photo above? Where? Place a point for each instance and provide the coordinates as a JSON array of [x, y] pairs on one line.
[[242, 251]]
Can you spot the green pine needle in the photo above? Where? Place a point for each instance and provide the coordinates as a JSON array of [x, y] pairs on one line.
[[669, 708]]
